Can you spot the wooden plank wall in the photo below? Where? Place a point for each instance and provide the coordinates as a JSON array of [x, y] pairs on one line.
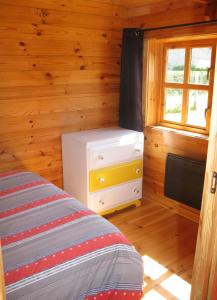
[[159, 142], [59, 72]]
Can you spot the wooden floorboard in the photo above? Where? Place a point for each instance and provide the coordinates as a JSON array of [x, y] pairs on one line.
[[166, 241]]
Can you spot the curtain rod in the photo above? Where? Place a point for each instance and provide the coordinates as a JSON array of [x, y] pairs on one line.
[[180, 25]]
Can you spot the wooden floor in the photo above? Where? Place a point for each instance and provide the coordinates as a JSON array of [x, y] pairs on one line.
[[166, 242]]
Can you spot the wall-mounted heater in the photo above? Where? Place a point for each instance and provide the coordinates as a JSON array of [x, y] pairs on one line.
[[184, 179]]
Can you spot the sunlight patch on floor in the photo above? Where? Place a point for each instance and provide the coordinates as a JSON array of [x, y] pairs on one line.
[[168, 282], [152, 268], [177, 287]]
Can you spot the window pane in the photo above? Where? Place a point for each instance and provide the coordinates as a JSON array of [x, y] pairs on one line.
[[173, 105], [175, 65], [200, 65], [197, 105]]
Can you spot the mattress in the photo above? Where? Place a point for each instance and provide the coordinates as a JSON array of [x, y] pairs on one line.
[[56, 248]]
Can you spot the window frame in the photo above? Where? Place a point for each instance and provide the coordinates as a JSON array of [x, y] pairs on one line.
[[186, 86]]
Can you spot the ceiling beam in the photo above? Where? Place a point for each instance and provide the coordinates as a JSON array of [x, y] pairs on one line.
[[211, 10], [204, 1]]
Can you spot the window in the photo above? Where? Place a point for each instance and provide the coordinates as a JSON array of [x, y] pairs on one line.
[[187, 84]]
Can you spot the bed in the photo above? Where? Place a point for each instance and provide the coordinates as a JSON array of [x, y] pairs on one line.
[[56, 248]]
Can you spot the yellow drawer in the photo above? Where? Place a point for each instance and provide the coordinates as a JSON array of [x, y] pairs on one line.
[[109, 176]]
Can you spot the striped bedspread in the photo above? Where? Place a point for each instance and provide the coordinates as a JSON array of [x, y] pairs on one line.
[[55, 248]]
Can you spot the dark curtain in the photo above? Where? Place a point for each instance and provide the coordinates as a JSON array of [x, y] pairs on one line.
[[130, 113]]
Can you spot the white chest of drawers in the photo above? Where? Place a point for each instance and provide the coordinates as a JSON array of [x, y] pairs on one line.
[[103, 167]]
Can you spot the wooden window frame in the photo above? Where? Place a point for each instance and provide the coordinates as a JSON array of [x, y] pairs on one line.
[[186, 86]]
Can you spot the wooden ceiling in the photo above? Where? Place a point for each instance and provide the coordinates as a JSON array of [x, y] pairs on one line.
[[138, 3], [146, 7]]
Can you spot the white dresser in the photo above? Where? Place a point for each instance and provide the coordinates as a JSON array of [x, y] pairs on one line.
[[103, 167]]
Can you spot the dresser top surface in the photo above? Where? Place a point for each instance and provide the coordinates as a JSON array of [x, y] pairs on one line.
[[95, 135]]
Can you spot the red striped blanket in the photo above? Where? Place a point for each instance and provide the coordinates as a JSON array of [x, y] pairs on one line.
[[56, 248]]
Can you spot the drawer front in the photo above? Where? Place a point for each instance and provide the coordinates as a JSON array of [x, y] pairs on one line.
[[115, 196], [115, 153], [106, 177]]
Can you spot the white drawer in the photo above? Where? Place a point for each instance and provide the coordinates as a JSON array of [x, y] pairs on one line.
[[110, 154], [115, 196]]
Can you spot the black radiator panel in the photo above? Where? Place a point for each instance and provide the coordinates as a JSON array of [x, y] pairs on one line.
[[184, 179]]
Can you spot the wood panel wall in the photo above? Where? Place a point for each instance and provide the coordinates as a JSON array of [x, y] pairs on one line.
[[160, 142], [59, 72]]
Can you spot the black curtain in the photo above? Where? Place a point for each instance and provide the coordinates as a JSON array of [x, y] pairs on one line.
[[130, 113]]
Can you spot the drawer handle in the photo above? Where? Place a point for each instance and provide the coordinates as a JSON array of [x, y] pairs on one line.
[[101, 202], [136, 191], [138, 171], [137, 150], [100, 157], [101, 180]]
